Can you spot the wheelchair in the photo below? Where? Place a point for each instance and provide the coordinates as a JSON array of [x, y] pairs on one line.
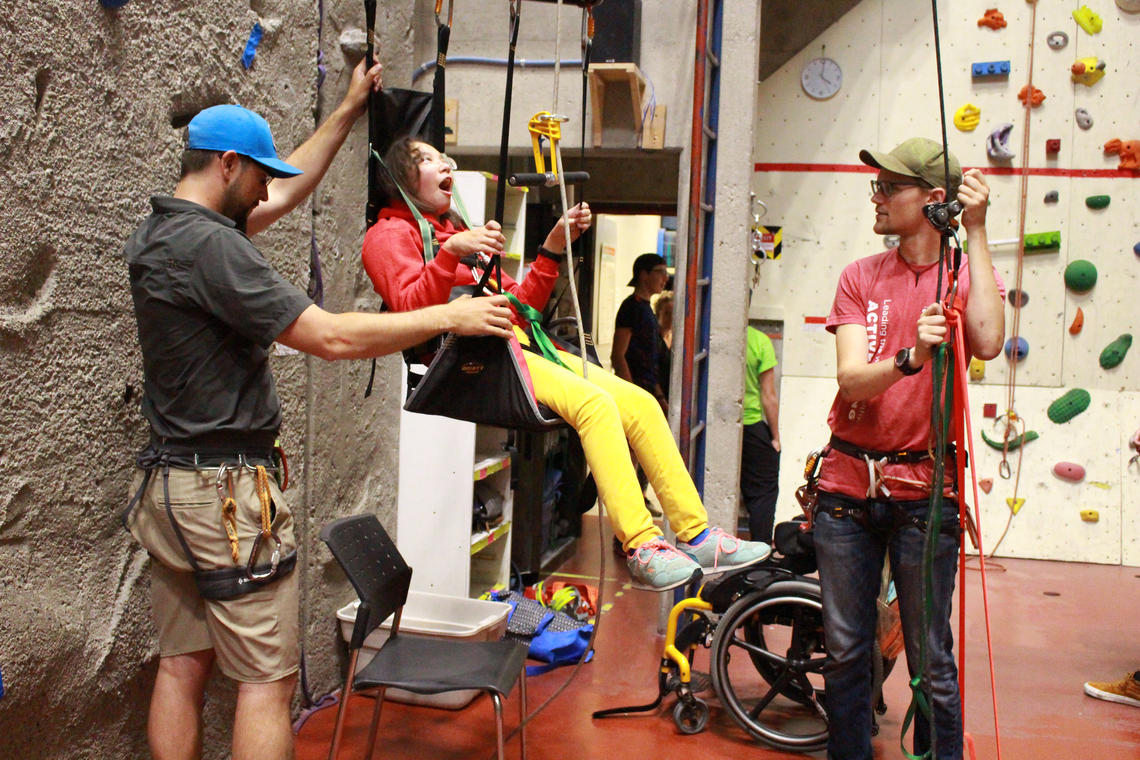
[[764, 627]]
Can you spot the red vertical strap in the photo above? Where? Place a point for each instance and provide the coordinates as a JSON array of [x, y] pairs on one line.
[[964, 436]]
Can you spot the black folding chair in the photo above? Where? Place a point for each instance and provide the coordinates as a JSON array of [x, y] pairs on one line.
[[420, 665]]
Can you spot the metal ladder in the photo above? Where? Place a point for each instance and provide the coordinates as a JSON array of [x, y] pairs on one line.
[[699, 258]]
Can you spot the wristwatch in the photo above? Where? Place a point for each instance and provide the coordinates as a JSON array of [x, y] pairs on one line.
[[902, 363]]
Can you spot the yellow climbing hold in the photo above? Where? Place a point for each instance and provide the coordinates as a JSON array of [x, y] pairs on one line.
[[967, 117], [1090, 515], [1014, 504], [1100, 484], [977, 369]]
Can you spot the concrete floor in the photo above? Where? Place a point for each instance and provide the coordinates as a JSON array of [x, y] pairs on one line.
[[1055, 625]]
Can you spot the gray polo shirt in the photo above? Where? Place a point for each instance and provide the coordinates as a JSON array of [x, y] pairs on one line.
[[208, 307]]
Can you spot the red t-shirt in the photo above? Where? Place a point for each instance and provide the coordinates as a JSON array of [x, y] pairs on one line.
[[887, 294], [393, 258]]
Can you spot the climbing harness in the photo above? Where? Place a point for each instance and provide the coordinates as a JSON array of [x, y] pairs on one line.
[[223, 583]]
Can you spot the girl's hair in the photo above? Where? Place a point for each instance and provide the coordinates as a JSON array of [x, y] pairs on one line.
[[402, 162]]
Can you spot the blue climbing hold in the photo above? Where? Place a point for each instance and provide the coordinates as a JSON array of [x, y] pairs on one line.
[[1015, 352], [251, 46], [1136, 249]]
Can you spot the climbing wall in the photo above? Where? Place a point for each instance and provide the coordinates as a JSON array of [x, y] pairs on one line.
[[816, 191]]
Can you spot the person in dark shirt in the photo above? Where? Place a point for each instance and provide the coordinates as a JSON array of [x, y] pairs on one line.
[[218, 530], [634, 353]]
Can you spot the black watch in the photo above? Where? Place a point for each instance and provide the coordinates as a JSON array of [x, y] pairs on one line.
[[902, 363]]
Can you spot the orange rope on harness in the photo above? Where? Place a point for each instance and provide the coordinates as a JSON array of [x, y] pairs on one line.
[[229, 506], [965, 435]]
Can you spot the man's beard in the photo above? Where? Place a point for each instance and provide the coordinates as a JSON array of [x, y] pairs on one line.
[[236, 209]]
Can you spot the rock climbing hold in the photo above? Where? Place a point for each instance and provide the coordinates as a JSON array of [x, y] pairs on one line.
[[1014, 443], [1070, 471], [1014, 505], [251, 45], [1090, 515], [1128, 6], [1097, 201], [983, 69], [1016, 351], [967, 117], [977, 369], [1087, 20], [1042, 241], [1017, 298], [1101, 485], [1128, 150], [1069, 405], [1113, 354], [1033, 98], [993, 18], [1053, 145], [989, 411], [1087, 71], [1084, 120], [1078, 322], [997, 144], [986, 484], [1080, 276], [1052, 196], [1057, 40], [1136, 249]]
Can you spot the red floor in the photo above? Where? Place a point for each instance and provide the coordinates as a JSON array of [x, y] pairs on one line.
[[1055, 625]]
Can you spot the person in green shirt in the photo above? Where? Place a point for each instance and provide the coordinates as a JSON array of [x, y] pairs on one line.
[[760, 449]]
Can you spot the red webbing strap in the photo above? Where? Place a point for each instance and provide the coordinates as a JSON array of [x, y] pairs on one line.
[[964, 436]]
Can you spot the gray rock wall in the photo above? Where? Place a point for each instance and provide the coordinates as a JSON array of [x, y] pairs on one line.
[[89, 102]]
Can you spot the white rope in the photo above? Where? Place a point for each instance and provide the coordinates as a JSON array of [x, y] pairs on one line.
[[558, 72]]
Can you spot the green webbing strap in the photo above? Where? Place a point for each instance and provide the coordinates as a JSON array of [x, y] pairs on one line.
[[541, 340], [941, 411]]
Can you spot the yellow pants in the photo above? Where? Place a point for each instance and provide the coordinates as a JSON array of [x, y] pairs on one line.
[[607, 412]]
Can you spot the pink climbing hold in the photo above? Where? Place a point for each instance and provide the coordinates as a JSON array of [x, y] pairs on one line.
[[1070, 471], [986, 484]]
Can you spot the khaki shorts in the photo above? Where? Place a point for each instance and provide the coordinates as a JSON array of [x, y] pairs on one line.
[[254, 636]]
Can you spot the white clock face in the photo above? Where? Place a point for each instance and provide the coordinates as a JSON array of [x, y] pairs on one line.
[[821, 78]]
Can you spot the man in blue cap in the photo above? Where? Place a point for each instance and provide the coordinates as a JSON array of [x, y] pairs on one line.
[[219, 531]]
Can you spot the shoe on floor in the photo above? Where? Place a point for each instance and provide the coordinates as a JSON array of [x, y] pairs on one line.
[[656, 565], [1126, 691], [719, 552]]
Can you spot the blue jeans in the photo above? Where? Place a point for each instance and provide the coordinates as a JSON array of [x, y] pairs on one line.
[[850, 560]]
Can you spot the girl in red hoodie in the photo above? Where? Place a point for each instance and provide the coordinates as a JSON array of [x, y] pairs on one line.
[[608, 413]]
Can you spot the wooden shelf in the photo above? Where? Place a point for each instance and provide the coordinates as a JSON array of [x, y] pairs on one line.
[[622, 76], [484, 538]]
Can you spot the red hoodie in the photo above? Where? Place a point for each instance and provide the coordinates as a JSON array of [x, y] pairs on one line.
[[393, 259]]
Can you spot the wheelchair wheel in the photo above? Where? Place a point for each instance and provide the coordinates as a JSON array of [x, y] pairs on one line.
[[691, 716], [767, 658]]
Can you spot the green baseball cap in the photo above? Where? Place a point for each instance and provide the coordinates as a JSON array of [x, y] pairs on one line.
[[918, 157]]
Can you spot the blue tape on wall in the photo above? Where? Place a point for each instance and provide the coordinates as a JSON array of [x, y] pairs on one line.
[[1, 684], [251, 46]]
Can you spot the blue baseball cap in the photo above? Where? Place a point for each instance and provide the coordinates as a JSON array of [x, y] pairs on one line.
[[230, 127]]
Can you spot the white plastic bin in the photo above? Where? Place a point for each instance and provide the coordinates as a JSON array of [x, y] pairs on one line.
[[432, 616]]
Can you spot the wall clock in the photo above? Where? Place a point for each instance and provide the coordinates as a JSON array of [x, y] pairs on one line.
[[821, 78]]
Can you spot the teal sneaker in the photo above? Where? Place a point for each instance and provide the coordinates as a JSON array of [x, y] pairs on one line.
[[656, 565], [719, 552]]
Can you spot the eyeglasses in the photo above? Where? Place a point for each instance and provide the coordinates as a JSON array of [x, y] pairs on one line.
[[268, 177], [443, 158], [888, 189]]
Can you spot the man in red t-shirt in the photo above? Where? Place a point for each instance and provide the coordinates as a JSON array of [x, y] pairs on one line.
[[888, 321]]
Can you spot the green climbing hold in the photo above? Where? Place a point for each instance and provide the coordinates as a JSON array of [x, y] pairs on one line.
[[1097, 201], [1080, 276], [1014, 443], [1114, 352], [1069, 406]]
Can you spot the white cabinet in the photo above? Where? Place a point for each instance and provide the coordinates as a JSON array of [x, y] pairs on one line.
[[442, 459]]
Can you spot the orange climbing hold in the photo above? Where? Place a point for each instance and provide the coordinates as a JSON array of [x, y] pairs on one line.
[[1035, 99], [993, 19], [986, 484], [1078, 322], [1128, 150]]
